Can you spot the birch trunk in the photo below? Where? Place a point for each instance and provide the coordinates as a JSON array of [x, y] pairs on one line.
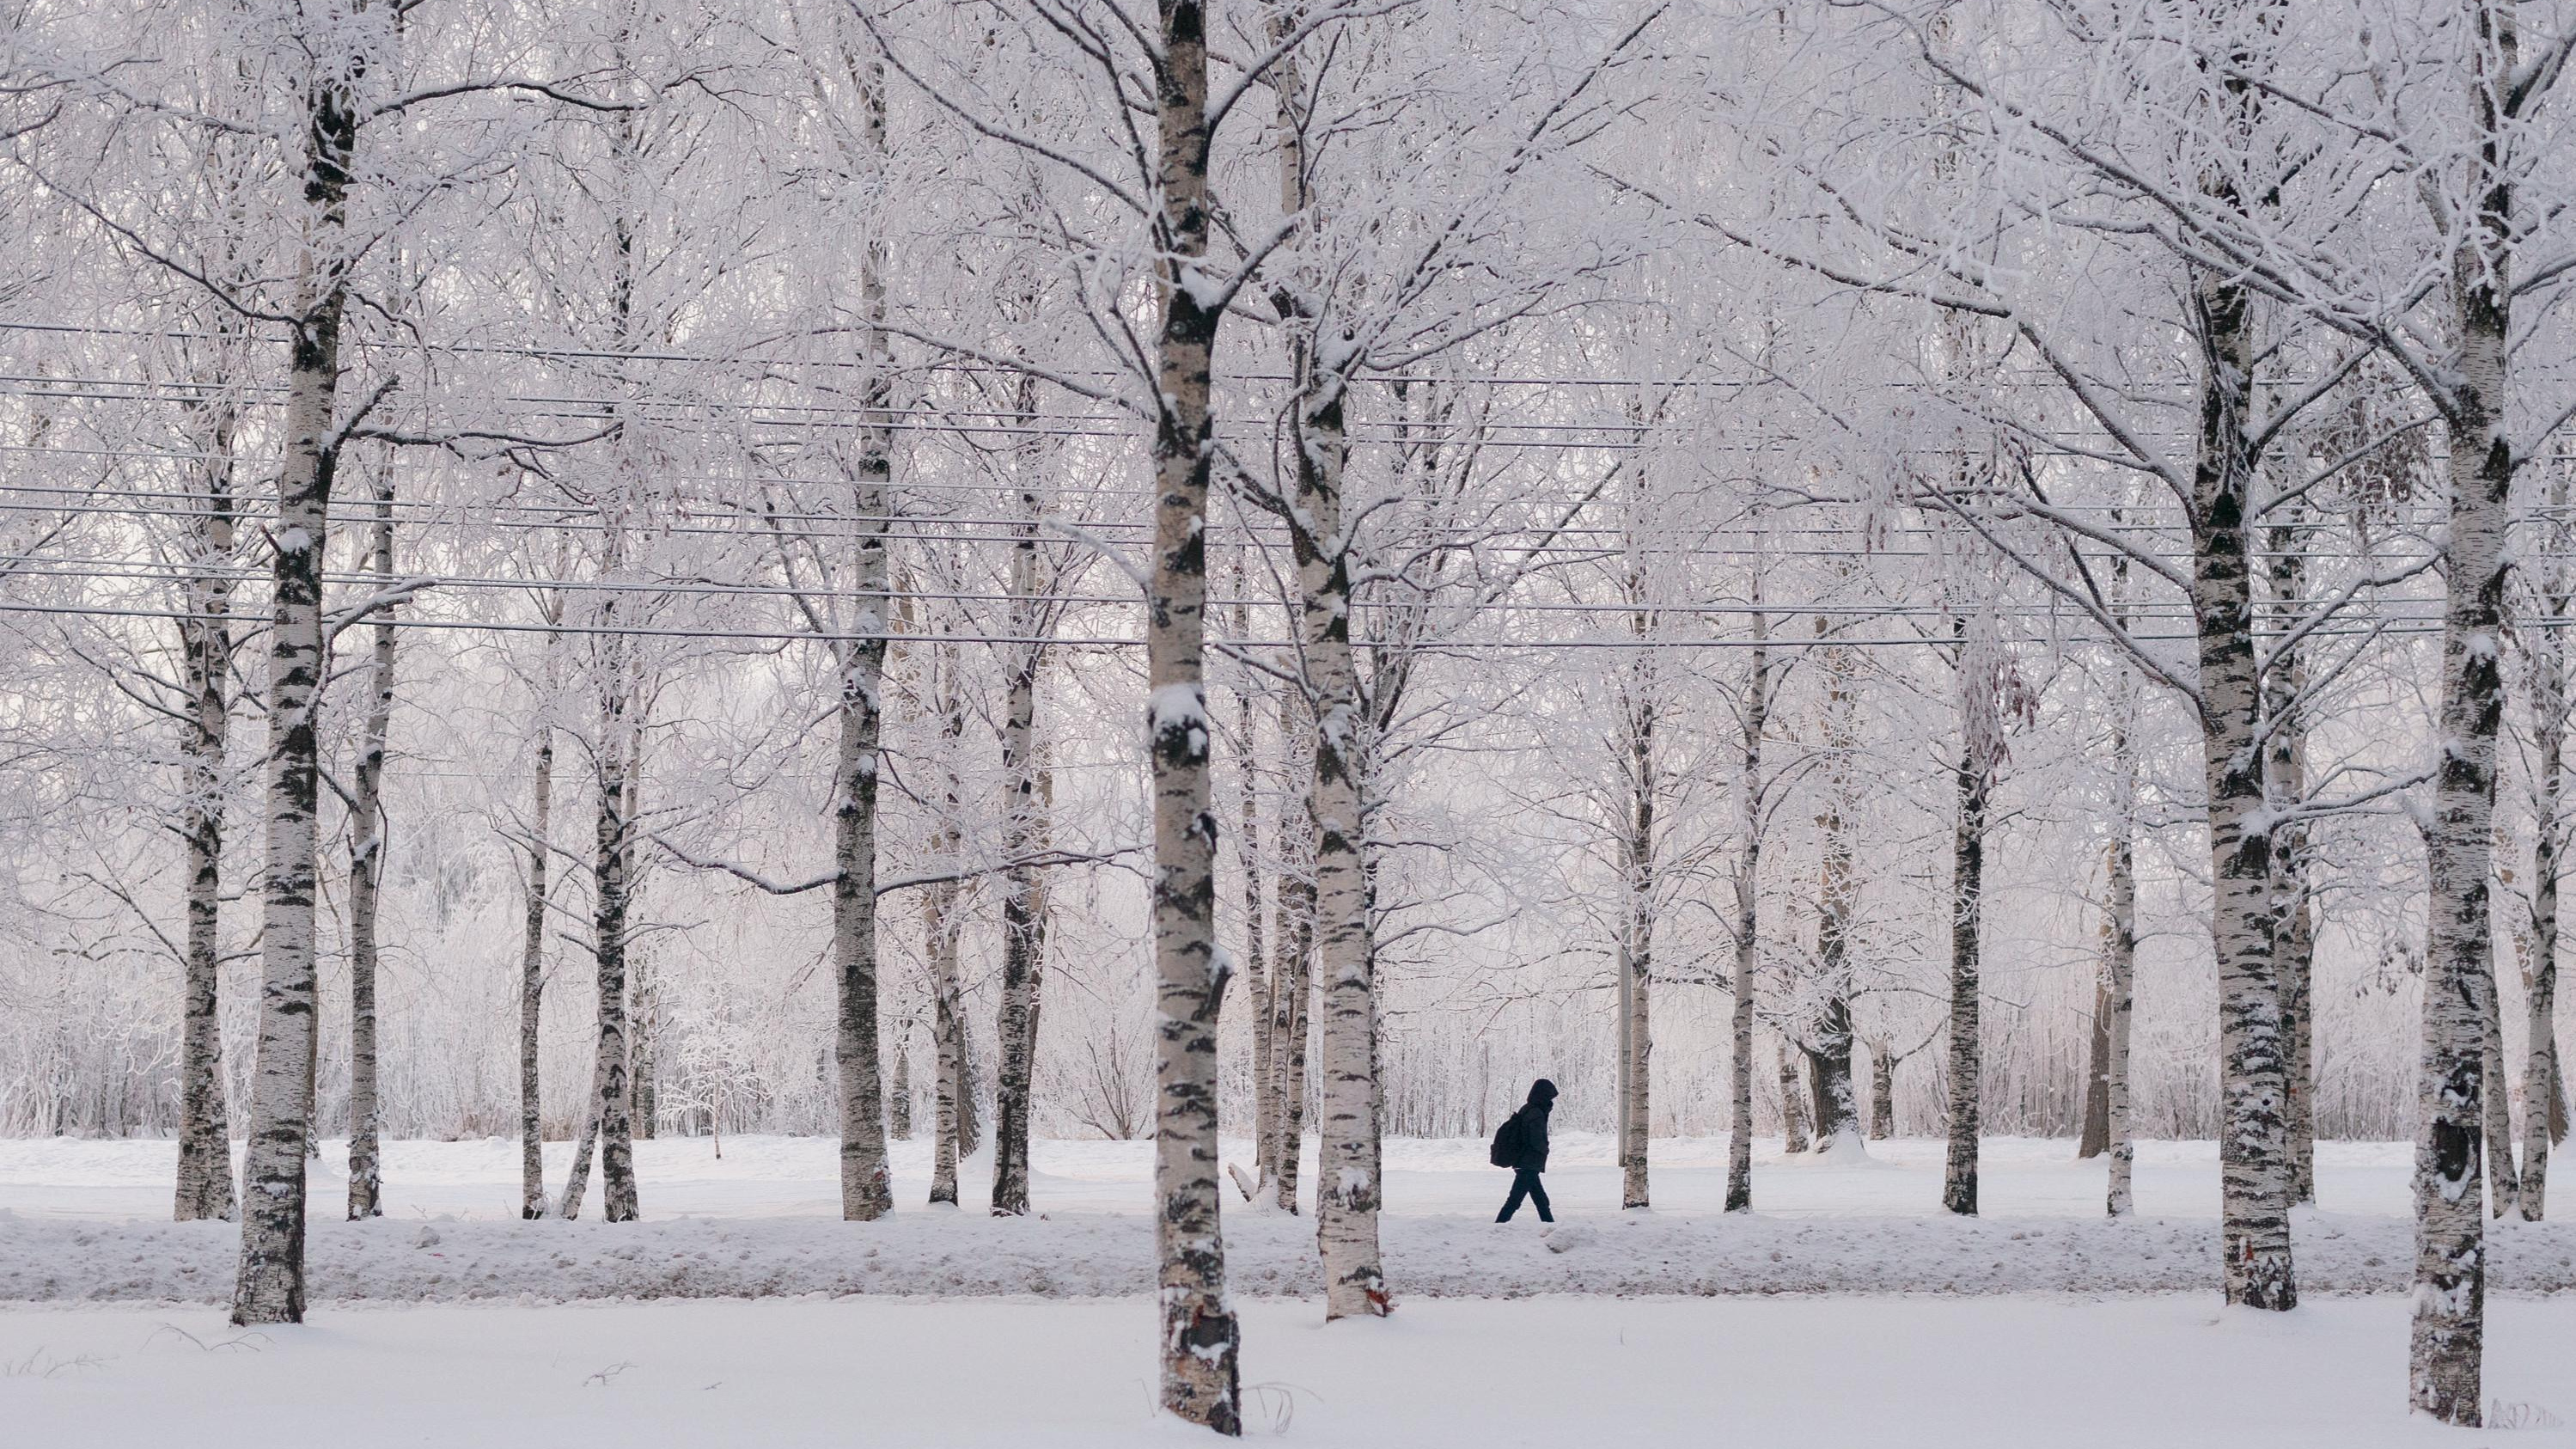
[[2120, 983], [1200, 1337], [644, 996], [1024, 907], [610, 861], [1882, 1093], [946, 1077], [1262, 980], [1636, 929], [2096, 1136], [270, 1288], [900, 1107], [1793, 1106], [1347, 1189], [2293, 938], [577, 1182], [532, 968], [1292, 975], [2549, 705], [205, 1177], [2449, 1339], [867, 1189], [2504, 1189], [366, 877], [1829, 1054], [940, 927], [970, 1120], [2122, 975], [1755, 717], [2254, 1168], [1980, 746], [1830, 1075]]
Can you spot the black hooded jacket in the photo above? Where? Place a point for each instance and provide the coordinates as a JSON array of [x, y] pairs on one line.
[[1529, 1128]]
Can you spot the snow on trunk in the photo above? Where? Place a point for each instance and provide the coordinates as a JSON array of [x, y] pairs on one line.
[[1346, 1185], [867, 1187], [270, 1288], [2444, 1362], [1345, 959], [2254, 1169], [1200, 1336]]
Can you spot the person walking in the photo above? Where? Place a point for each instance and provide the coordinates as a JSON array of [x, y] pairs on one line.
[[1521, 1145]]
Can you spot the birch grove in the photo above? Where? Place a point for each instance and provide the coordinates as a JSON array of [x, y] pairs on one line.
[[1820, 574]]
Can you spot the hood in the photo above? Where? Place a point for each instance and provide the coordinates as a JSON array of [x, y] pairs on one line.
[[1542, 1094]]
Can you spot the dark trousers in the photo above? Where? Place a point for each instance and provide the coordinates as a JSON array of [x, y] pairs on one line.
[[1525, 1184]]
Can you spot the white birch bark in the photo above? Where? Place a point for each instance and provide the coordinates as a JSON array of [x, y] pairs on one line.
[[2444, 1363], [1635, 954], [1024, 905], [1829, 1055], [2285, 779], [1292, 972], [205, 1174], [867, 1188], [577, 1182], [270, 1288], [1200, 1336], [1793, 1101], [1260, 978], [366, 877], [939, 927], [2504, 1188], [2121, 973], [2254, 1170], [612, 859], [1347, 1188], [1973, 779], [1754, 714], [2546, 646], [532, 966]]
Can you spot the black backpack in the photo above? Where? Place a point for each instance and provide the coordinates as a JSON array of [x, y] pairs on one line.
[[1506, 1151]]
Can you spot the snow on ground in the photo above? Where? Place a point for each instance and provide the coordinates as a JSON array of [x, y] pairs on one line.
[[948, 1253], [1907, 1373], [58, 1177], [86, 1222]]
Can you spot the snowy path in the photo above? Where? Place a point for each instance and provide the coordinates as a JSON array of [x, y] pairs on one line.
[[1995, 1373]]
